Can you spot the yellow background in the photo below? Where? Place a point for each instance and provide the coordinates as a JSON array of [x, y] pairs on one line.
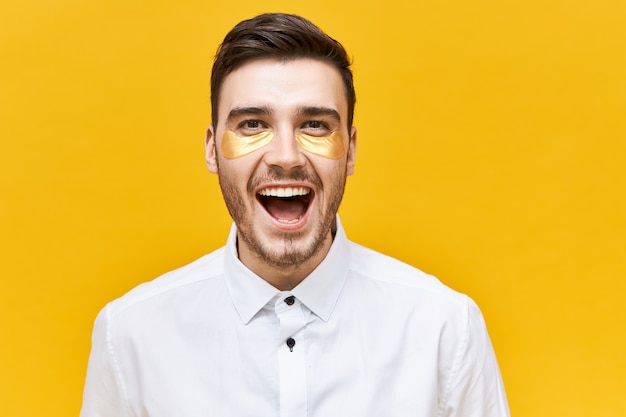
[[492, 143]]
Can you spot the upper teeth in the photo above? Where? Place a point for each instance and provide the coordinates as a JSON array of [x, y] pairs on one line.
[[284, 191]]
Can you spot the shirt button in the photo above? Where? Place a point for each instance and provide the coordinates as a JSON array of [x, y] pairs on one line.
[[291, 343], [290, 300]]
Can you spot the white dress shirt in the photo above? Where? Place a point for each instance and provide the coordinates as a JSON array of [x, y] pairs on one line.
[[363, 335]]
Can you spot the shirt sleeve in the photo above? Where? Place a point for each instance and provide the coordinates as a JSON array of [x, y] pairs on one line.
[[102, 396], [475, 387]]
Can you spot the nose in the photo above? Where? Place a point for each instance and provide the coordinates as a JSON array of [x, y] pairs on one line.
[[283, 151]]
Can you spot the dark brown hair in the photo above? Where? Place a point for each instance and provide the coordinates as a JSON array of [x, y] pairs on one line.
[[283, 37]]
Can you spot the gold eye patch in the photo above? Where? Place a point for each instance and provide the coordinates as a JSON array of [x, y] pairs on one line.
[[234, 146], [331, 146], [327, 146]]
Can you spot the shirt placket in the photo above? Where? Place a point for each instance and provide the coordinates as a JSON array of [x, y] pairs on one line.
[[291, 359]]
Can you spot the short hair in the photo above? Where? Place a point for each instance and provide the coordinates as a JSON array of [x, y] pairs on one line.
[[278, 36]]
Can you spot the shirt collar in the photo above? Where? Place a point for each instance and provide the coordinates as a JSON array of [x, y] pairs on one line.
[[248, 291], [319, 291]]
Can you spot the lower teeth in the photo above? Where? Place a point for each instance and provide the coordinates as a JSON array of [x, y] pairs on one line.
[[287, 221]]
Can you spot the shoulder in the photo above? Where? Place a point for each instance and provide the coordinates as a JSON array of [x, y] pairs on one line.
[[400, 279], [390, 287], [186, 279]]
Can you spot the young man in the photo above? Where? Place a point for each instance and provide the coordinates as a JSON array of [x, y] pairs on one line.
[[289, 318]]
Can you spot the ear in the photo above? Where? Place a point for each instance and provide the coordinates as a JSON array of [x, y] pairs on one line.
[[351, 152], [209, 150]]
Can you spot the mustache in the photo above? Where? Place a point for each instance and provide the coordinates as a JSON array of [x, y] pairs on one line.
[[272, 175]]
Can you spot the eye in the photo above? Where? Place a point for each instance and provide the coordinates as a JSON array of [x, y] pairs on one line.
[[315, 127], [250, 124], [315, 124], [250, 127]]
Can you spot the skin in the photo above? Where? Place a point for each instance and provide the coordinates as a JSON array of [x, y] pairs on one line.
[[296, 96]]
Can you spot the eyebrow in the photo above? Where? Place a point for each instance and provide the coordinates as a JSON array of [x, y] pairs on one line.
[[320, 111], [252, 110]]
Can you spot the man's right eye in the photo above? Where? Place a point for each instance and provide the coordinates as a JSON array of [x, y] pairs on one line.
[[250, 124]]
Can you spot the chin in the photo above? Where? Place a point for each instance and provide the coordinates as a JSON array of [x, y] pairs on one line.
[[287, 249]]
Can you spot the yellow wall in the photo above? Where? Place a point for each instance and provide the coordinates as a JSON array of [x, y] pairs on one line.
[[492, 153]]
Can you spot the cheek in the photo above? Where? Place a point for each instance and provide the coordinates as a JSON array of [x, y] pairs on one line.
[[239, 173], [332, 172]]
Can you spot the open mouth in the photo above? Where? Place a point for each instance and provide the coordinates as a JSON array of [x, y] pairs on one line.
[[287, 205]]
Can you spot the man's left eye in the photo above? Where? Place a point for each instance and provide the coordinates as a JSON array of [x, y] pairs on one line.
[[315, 124]]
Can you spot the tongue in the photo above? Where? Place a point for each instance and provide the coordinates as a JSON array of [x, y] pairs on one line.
[[285, 209]]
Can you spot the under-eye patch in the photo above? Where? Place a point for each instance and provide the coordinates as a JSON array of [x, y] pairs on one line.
[[331, 146], [234, 146]]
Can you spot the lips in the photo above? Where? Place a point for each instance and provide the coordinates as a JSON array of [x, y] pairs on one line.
[[285, 204]]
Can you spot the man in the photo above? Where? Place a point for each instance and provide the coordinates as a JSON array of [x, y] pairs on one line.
[[289, 318]]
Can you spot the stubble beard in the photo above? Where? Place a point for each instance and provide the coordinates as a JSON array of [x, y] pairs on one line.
[[294, 248]]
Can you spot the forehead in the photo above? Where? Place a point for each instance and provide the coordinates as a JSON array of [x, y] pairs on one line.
[[283, 86]]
